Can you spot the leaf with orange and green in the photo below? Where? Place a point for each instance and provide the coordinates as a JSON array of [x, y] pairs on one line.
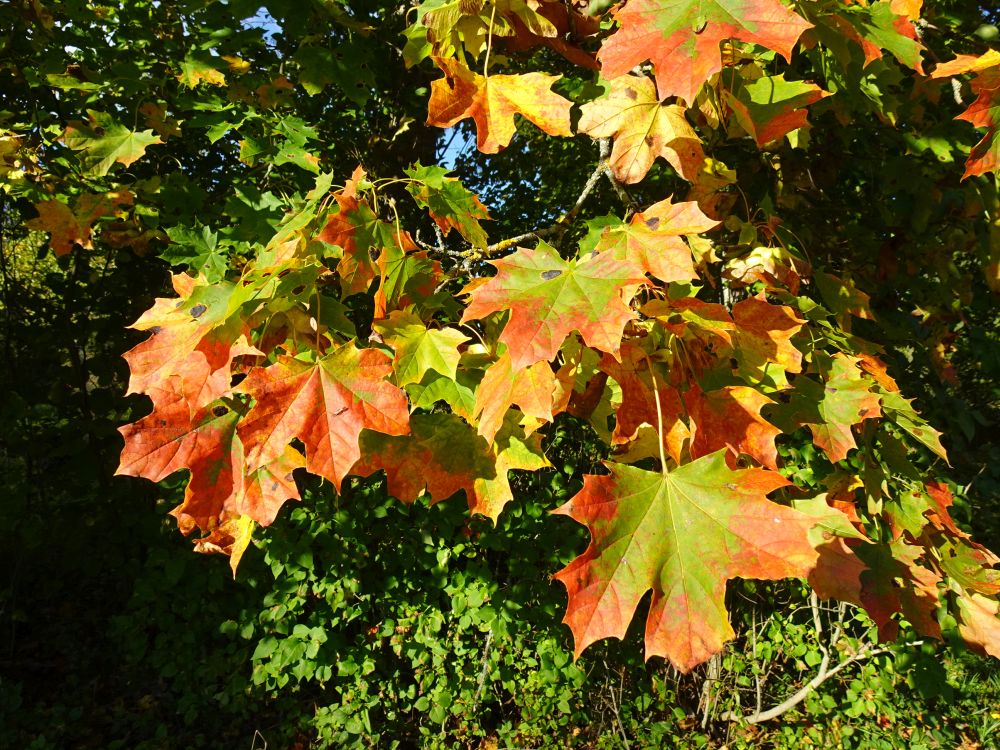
[[68, 227], [643, 129], [549, 297], [325, 404], [492, 103], [682, 38], [530, 389], [770, 107], [451, 206], [441, 455], [682, 534], [653, 239], [984, 112]]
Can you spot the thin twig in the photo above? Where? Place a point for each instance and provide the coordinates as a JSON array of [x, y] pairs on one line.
[[483, 671]]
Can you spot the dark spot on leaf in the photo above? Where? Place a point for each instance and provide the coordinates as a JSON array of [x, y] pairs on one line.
[[155, 330], [831, 389], [274, 486], [197, 311], [631, 94], [99, 130], [648, 140], [163, 423], [653, 223], [549, 275], [284, 273], [288, 477], [340, 411], [220, 411], [299, 289], [730, 486], [180, 303]]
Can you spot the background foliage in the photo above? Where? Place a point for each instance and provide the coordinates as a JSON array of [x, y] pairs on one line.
[[359, 620]]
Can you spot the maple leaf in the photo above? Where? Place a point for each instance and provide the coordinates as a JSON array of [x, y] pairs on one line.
[[231, 538], [357, 230], [325, 404], [902, 413], [492, 102], [682, 38], [730, 418], [979, 623], [451, 206], [833, 407], [639, 401], [643, 129], [441, 456], [531, 389], [104, 142], [549, 297], [764, 333], [68, 227], [770, 107], [512, 450], [193, 339], [682, 534], [419, 349], [984, 112], [653, 239], [176, 436], [883, 25]]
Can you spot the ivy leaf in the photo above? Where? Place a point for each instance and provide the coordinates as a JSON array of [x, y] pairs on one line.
[[492, 102], [643, 129], [451, 206], [770, 107], [682, 534], [325, 404], [549, 297], [104, 142], [419, 349], [686, 54]]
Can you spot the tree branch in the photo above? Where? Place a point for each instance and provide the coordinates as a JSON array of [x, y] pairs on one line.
[[800, 695]]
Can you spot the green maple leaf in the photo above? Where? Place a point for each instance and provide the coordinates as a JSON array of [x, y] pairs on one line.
[[419, 349], [451, 206], [832, 407], [104, 142], [685, 54], [549, 297], [682, 534]]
